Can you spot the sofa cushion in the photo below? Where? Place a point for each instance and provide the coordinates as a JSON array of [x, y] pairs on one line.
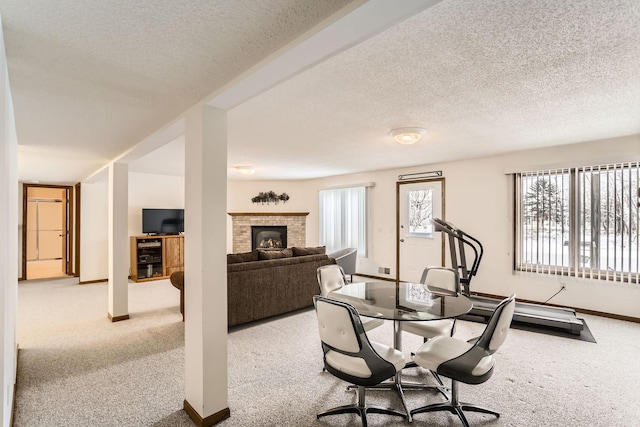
[[309, 251], [242, 257], [284, 253]]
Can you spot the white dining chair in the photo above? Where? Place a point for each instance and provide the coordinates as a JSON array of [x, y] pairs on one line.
[[331, 278]]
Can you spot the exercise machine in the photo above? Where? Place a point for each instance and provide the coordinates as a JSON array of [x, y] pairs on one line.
[[536, 314]]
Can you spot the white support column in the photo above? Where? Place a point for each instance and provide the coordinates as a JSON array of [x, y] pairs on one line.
[[205, 307], [9, 247], [118, 242]]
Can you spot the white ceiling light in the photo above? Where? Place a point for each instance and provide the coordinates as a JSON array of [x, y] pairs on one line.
[[246, 170], [407, 135]]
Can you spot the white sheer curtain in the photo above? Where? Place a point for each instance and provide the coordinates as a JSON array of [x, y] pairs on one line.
[[343, 213]]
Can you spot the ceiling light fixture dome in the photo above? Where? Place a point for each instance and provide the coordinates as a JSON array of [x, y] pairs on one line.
[[246, 170], [407, 136]]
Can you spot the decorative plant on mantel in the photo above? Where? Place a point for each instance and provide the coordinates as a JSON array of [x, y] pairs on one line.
[[270, 197]]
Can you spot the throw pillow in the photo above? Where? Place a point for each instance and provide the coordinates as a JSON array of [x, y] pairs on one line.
[[285, 253], [242, 257], [319, 250]]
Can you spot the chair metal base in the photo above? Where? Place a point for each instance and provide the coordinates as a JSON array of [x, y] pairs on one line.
[[455, 410], [398, 385], [412, 364], [455, 407], [361, 411]]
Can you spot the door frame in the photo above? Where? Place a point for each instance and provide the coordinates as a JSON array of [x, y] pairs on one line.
[[415, 181], [69, 225], [76, 242]]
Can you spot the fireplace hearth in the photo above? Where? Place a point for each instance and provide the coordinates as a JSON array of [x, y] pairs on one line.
[[268, 237]]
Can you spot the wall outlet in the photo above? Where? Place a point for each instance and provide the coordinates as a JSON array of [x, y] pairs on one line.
[[384, 270]]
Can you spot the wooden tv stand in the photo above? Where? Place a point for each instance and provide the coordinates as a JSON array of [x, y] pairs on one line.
[[155, 257]]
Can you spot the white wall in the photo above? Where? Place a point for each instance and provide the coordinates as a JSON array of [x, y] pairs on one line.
[[9, 239], [94, 244], [145, 191], [152, 191], [479, 201]]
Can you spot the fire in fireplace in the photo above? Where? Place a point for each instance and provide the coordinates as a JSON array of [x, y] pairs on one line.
[[268, 236]]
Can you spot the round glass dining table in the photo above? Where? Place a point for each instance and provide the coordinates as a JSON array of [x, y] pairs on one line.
[[400, 302]]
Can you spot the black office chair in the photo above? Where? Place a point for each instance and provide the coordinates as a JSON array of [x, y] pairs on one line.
[[470, 362], [332, 277], [350, 356]]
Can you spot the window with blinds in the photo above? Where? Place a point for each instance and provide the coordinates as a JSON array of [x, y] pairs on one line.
[[581, 222]]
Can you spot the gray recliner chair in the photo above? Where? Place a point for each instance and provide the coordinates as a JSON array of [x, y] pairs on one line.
[[346, 258]]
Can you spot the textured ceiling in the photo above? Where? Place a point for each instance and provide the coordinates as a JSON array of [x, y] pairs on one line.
[[91, 78], [483, 76]]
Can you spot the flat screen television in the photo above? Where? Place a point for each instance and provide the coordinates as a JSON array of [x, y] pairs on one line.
[[162, 221]]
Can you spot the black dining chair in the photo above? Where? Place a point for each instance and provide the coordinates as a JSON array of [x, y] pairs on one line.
[[470, 362], [350, 356]]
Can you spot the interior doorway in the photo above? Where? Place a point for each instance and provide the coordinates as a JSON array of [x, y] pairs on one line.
[[418, 245], [46, 237]]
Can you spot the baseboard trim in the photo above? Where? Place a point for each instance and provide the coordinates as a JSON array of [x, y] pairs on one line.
[[117, 318], [15, 387], [609, 315], [208, 421], [578, 310], [87, 282]]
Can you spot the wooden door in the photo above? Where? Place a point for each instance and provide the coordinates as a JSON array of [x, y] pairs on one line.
[[46, 232], [418, 244]]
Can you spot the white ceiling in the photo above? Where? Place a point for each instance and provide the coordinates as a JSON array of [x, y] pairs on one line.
[[89, 80]]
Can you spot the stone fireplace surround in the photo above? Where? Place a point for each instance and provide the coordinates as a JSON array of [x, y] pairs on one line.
[[296, 223]]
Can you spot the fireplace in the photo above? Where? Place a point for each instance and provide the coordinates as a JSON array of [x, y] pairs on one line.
[[268, 236], [296, 223]]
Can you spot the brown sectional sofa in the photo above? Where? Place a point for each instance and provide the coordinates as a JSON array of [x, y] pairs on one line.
[[262, 284]]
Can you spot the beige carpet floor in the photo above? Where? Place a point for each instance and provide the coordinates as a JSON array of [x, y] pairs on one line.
[[78, 369]]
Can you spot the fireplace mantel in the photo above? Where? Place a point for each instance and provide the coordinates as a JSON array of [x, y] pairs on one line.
[[268, 213]]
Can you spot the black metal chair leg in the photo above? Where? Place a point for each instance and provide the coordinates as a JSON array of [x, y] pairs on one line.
[[455, 407], [475, 408], [361, 409]]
